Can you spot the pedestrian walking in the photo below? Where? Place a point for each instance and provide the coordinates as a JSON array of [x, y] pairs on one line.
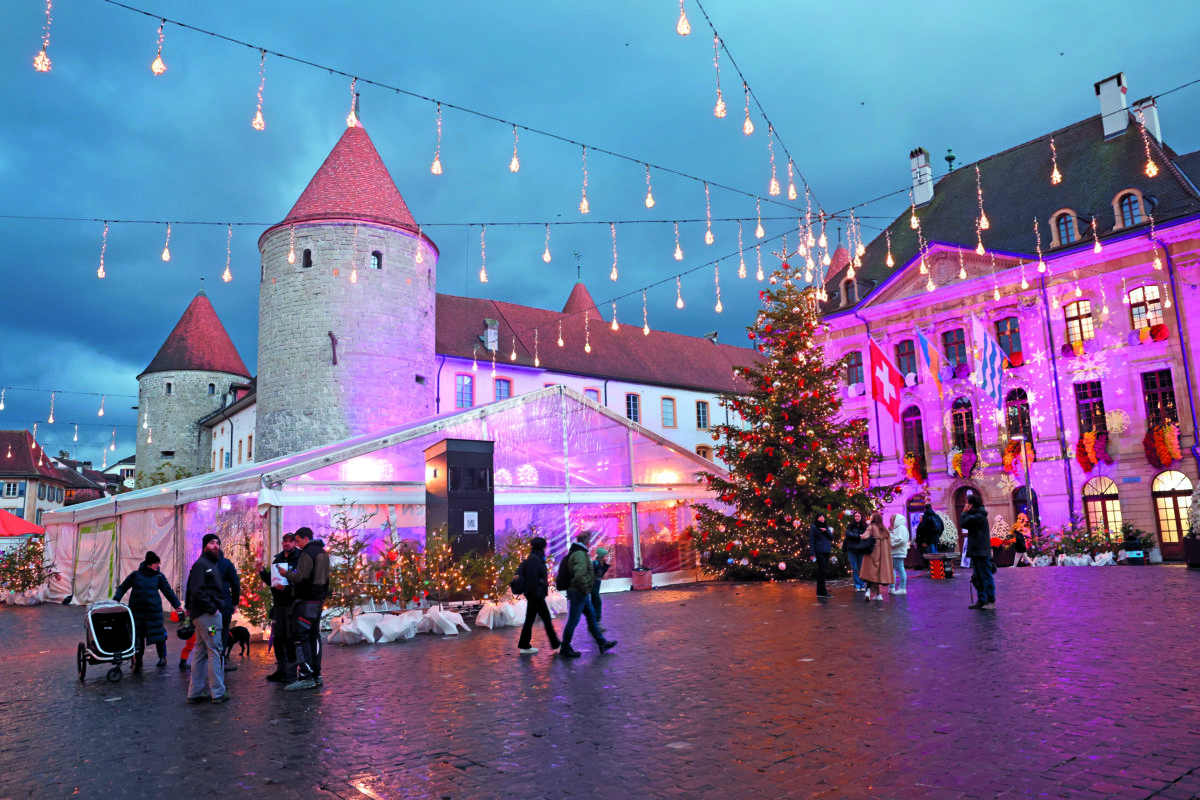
[[900, 541], [854, 546], [581, 576], [204, 599], [974, 524], [144, 585], [1021, 548], [310, 583], [600, 567], [876, 570], [534, 582], [929, 530], [820, 540], [233, 595], [281, 606]]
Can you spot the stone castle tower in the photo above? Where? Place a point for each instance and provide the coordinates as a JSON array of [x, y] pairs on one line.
[[185, 381], [346, 309]]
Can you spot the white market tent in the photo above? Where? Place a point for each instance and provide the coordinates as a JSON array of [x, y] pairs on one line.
[[562, 464]]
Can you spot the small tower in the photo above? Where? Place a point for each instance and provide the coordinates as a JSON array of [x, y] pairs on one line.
[[186, 380], [346, 309]]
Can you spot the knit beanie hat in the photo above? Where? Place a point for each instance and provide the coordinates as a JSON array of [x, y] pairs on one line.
[[208, 537], [151, 558]]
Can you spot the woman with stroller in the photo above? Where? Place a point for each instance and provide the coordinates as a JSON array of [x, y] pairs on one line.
[[144, 585]]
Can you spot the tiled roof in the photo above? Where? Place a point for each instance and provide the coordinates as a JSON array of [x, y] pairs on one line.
[[21, 456], [1189, 165], [74, 480], [353, 183], [1017, 189], [664, 359], [199, 342]]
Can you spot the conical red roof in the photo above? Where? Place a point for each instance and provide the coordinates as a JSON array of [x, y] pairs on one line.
[[353, 183], [199, 342], [581, 302]]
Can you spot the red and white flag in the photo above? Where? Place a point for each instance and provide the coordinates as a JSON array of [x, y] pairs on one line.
[[886, 381]]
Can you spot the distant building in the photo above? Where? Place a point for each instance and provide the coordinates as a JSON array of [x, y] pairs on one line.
[[30, 482]]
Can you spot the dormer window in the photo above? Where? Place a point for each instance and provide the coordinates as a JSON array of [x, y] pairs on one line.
[[849, 292], [1064, 229], [376, 260], [1129, 210]]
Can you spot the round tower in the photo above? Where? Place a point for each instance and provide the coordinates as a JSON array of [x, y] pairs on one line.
[[345, 309], [187, 380]]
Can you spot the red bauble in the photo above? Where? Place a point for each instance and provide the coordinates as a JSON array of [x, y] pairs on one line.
[[788, 439], [750, 334], [729, 546], [754, 553]]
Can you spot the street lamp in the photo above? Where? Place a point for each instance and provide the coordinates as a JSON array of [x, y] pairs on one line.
[[1030, 500]]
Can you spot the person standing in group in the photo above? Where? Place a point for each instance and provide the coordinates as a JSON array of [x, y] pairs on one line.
[[853, 545], [974, 523], [233, 596], [600, 567], [310, 583], [929, 530], [899, 542], [281, 606], [1021, 546], [579, 595], [820, 540], [534, 583], [146, 582], [204, 599], [876, 570]]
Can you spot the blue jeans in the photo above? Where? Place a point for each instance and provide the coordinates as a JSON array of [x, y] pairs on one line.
[[932, 547], [580, 603], [208, 660], [984, 582], [901, 575], [855, 560]]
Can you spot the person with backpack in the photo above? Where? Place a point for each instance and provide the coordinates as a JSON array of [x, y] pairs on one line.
[[533, 581], [576, 576], [929, 530], [310, 584]]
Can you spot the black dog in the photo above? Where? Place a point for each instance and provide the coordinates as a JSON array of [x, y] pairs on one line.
[[237, 635]]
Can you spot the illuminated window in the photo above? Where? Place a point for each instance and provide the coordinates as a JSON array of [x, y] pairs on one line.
[[1131, 210], [906, 357], [954, 344], [1102, 506], [1016, 414], [963, 419], [854, 368], [1064, 224], [1079, 321], [633, 407], [914, 434], [376, 260], [668, 412], [464, 391], [1089, 404], [1145, 307], [1159, 394], [1172, 493]]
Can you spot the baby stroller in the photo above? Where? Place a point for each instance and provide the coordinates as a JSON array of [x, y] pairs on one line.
[[109, 630]]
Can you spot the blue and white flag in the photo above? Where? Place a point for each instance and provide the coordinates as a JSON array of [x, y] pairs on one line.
[[989, 368]]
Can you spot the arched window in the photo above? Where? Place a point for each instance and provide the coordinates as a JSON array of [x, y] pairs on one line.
[[963, 418], [1064, 225], [854, 368], [906, 357], [170, 387], [212, 388], [1016, 414], [1102, 507], [914, 435], [307, 260], [1145, 307], [376, 260], [1079, 321], [849, 291], [1131, 210], [1025, 501], [1172, 493]]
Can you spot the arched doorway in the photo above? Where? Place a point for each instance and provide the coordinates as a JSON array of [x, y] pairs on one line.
[[959, 506], [1172, 493], [1025, 501], [1102, 507]]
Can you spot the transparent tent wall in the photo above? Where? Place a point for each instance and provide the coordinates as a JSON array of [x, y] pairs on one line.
[[665, 534], [234, 518], [612, 527], [379, 524]]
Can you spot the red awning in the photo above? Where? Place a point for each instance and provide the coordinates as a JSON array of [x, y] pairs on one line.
[[12, 525]]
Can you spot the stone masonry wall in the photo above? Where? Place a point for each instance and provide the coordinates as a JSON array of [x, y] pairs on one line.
[[172, 418]]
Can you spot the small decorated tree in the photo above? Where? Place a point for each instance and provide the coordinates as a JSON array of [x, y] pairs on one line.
[[349, 566], [246, 554], [24, 568]]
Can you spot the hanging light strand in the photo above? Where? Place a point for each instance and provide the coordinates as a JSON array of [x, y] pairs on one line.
[[741, 253], [758, 273], [515, 164], [614, 325], [678, 292], [773, 188], [1055, 175], [791, 192], [708, 234], [983, 220], [1096, 248], [759, 232], [717, 282], [166, 253], [678, 255], [1158, 265], [537, 359], [99, 413], [50, 420], [436, 166], [41, 62], [258, 123], [682, 27], [891, 262], [747, 124], [1037, 232], [649, 190], [584, 208], [291, 256], [719, 110], [158, 66], [546, 252], [100, 273], [1151, 168], [612, 228], [227, 276], [645, 316], [483, 278]]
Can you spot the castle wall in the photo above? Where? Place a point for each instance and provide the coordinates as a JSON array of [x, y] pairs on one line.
[[172, 420]]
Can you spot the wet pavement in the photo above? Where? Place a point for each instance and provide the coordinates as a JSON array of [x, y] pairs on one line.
[[1083, 683]]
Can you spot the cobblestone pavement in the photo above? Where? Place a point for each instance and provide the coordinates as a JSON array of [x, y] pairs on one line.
[[1082, 684]]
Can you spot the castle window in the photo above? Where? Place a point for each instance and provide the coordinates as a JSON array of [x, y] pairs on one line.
[[1089, 404], [250, 447], [212, 388], [170, 388], [1064, 226], [1016, 415], [963, 419], [376, 260], [167, 454], [954, 343], [307, 259], [1145, 307], [1080, 327], [1131, 210]]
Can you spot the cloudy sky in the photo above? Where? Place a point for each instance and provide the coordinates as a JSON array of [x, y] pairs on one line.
[[851, 87]]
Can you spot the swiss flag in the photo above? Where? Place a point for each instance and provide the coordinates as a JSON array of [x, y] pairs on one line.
[[886, 381]]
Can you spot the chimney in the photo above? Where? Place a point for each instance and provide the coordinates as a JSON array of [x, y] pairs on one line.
[[491, 339], [1111, 92], [922, 176], [1149, 114]]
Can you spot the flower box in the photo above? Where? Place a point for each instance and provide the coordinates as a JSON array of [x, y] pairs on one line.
[[962, 370], [1161, 444], [1074, 349], [1092, 449], [1159, 332]]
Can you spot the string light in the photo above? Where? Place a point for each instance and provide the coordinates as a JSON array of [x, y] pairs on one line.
[[1157, 260], [475, 358], [513, 356], [483, 254], [614, 325], [823, 241], [995, 292], [1124, 291], [560, 339], [678, 249], [493, 353], [354, 256], [748, 125], [741, 253], [1096, 248], [292, 245], [792, 195], [583, 203], [99, 413], [100, 273], [808, 217], [719, 110], [436, 166], [708, 234], [258, 123], [962, 267], [683, 27], [420, 247], [979, 239], [515, 164], [587, 336], [227, 276], [1024, 280], [929, 284], [773, 187], [546, 252], [41, 62], [913, 222], [51, 419], [717, 281], [537, 360], [1151, 168], [891, 262], [645, 316], [1055, 175], [758, 274], [612, 228], [1037, 231], [4, 391], [649, 190], [678, 293], [1166, 295], [166, 253], [158, 66], [76, 437], [113, 445], [150, 436], [758, 231], [983, 220]]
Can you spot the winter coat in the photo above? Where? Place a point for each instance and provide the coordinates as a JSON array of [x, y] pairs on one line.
[[146, 584], [820, 538], [599, 569], [205, 590], [979, 538], [927, 528], [899, 538], [310, 575], [877, 564], [280, 598], [535, 575], [1021, 545], [233, 586], [854, 533], [583, 577]]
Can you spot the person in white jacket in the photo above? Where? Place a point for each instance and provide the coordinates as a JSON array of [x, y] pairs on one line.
[[899, 541]]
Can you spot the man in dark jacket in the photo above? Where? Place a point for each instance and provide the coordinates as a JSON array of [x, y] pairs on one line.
[[600, 567], [852, 546], [579, 595], [979, 548], [281, 606], [929, 530], [820, 539], [204, 599], [536, 582], [147, 582], [310, 583], [233, 596]]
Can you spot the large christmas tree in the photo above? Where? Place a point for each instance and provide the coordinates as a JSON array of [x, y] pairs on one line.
[[794, 455]]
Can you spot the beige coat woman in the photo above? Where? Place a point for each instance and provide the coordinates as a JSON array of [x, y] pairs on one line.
[[876, 570]]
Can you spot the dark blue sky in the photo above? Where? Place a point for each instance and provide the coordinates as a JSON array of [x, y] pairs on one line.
[[851, 88]]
